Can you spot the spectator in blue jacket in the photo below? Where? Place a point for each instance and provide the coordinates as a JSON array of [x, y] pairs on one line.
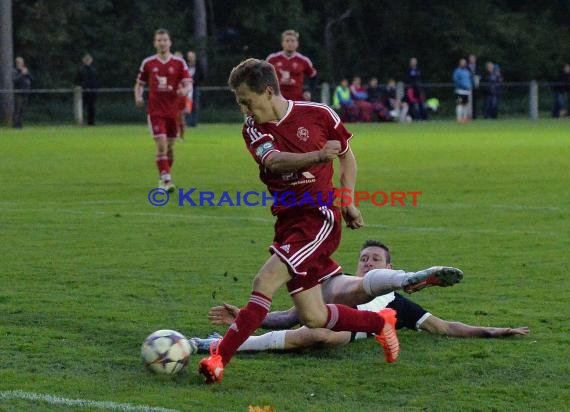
[[463, 88]]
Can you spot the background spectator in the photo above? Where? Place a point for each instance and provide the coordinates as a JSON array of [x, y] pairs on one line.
[[360, 97], [475, 79], [197, 77], [87, 78], [391, 101], [22, 83], [414, 94], [462, 80], [343, 103], [562, 92], [375, 94], [492, 90]]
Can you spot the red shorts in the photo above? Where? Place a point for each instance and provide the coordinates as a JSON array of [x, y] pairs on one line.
[[305, 240], [161, 127]]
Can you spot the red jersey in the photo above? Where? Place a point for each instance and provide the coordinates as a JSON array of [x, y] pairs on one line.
[[306, 127], [291, 72], [163, 78]]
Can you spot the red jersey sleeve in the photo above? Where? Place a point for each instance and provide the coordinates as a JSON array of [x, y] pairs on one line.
[[310, 69], [259, 143], [185, 73], [143, 73], [337, 131]]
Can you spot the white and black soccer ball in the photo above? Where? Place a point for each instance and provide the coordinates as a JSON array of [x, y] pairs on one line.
[[167, 351]]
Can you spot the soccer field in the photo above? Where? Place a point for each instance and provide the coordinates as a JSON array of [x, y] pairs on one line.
[[90, 268]]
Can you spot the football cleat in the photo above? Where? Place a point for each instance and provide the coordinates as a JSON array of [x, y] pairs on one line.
[[212, 367], [387, 336], [204, 345], [435, 276], [169, 186]]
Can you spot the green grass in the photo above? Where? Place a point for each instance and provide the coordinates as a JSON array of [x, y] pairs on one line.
[[89, 268]]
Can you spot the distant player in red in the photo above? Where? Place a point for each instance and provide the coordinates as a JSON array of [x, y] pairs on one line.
[[167, 78], [181, 107], [294, 144], [291, 66]]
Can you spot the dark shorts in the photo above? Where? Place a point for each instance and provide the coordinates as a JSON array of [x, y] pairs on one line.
[[462, 98], [304, 241], [408, 314]]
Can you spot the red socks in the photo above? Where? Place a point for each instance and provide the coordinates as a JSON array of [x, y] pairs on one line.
[[344, 318], [248, 320], [162, 164]]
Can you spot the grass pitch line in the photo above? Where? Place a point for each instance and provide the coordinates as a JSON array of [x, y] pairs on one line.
[[80, 403]]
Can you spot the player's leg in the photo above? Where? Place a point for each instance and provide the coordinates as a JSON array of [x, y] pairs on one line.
[[278, 340], [170, 142], [356, 290], [158, 129], [312, 309], [162, 161], [172, 130], [295, 339], [271, 277], [458, 109]]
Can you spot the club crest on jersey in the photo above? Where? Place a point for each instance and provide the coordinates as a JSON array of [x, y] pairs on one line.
[[302, 134], [170, 70]]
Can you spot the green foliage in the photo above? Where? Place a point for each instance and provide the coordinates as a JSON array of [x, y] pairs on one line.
[[89, 268], [529, 39]]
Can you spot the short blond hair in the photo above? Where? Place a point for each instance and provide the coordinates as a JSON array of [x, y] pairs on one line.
[[289, 33]]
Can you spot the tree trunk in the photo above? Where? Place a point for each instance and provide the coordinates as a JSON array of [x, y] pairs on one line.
[[6, 59], [329, 42], [200, 33]]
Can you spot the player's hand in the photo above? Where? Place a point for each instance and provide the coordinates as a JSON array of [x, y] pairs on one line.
[[352, 217], [330, 151], [139, 102], [524, 330], [181, 91], [223, 315]]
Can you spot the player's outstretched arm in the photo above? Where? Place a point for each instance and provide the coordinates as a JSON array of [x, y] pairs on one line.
[[226, 314], [350, 213], [287, 162], [439, 326], [139, 90]]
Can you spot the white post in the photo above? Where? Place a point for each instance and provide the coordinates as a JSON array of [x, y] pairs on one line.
[[533, 100], [78, 105], [326, 94]]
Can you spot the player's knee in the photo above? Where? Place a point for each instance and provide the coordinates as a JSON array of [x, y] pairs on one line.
[[313, 320]]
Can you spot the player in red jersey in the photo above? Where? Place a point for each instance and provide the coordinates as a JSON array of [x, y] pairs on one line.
[[294, 144], [168, 78], [291, 66]]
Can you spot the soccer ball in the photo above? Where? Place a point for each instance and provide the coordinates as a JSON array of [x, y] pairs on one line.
[[166, 351]]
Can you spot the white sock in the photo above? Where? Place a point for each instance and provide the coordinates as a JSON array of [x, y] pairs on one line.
[[459, 112], [270, 341], [378, 282]]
